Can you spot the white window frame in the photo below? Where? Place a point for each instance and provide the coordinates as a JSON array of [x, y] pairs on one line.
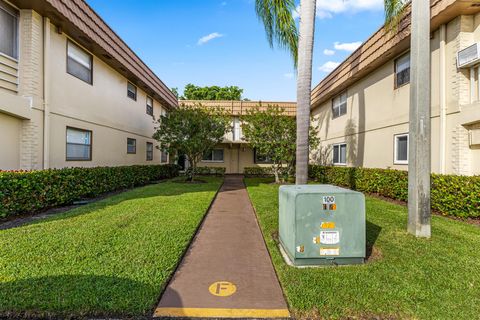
[[89, 144], [149, 153], [14, 13], [395, 147], [339, 155], [215, 161], [134, 145], [337, 103]]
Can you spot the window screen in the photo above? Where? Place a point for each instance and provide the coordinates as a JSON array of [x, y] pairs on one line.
[[8, 31], [79, 62], [149, 151], [340, 153], [402, 71], [131, 91], [131, 145], [401, 149], [339, 105], [79, 144]]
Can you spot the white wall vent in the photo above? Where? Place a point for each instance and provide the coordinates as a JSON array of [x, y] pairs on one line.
[[468, 56]]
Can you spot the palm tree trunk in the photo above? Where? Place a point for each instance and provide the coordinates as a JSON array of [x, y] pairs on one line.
[[304, 86]]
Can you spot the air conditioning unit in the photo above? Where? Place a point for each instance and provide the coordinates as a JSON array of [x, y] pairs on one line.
[[468, 56]]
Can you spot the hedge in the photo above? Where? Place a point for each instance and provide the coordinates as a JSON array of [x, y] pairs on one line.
[[257, 172], [451, 195], [209, 171], [31, 191]]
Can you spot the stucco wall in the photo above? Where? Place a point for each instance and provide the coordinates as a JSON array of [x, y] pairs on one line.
[[376, 111]]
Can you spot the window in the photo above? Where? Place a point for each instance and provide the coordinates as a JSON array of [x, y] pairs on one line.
[[339, 105], [340, 154], [260, 158], [236, 130], [131, 91], [164, 156], [216, 155], [79, 62], [8, 31], [401, 149], [402, 71], [149, 151], [131, 145], [79, 144], [149, 106]]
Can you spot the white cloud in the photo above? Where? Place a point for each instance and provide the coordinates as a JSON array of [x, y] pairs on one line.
[[328, 52], [209, 37], [328, 66], [327, 8], [347, 46], [288, 75]]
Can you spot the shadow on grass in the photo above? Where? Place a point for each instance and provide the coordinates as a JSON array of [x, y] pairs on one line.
[[165, 189], [373, 231], [76, 295]]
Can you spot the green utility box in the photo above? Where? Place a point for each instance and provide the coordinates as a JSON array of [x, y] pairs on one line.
[[322, 224]]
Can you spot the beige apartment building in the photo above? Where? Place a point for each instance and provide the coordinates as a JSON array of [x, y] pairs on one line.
[[72, 93], [362, 106], [234, 153]]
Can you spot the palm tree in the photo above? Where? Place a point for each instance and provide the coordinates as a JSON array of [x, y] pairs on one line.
[[280, 26], [419, 164]]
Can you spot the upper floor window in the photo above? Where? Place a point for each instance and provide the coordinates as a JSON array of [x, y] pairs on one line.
[[149, 151], [149, 106], [339, 105], [79, 62], [79, 144], [131, 145], [402, 70], [340, 154], [131, 91], [8, 31], [401, 149], [215, 155]]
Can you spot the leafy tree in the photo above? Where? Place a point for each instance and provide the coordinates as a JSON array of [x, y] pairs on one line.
[[280, 27], [191, 131], [273, 135], [193, 92], [175, 92]]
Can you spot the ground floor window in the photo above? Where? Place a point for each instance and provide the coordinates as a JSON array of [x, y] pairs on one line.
[[215, 155], [164, 156], [260, 158], [149, 151], [340, 154], [79, 144], [401, 149], [131, 145]]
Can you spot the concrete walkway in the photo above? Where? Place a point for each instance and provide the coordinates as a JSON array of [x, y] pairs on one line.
[[227, 272]]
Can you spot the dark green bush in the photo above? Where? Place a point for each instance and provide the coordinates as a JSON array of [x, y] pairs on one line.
[[208, 171], [451, 195], [30, 191], [257, 172]]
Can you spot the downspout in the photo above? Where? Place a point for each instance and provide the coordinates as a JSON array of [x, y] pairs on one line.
[[46, 93], [443, 99]]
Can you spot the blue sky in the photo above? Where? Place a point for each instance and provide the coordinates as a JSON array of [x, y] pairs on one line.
[[221, 42]]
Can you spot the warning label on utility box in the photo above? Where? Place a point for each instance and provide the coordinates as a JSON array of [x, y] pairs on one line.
[[329, 237], [329, 251]]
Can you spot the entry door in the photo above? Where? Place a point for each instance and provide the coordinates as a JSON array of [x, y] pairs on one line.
[[234, 154]]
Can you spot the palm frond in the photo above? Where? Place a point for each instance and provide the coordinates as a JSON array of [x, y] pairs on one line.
[[280, 26], [394, 12]]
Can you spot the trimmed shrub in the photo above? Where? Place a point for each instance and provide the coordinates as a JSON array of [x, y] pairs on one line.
[[258, 172], [30, 191], [451, 195], [208, 171]]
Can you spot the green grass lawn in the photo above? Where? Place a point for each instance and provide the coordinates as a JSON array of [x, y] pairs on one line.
[[112, 257], [407, 277]]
